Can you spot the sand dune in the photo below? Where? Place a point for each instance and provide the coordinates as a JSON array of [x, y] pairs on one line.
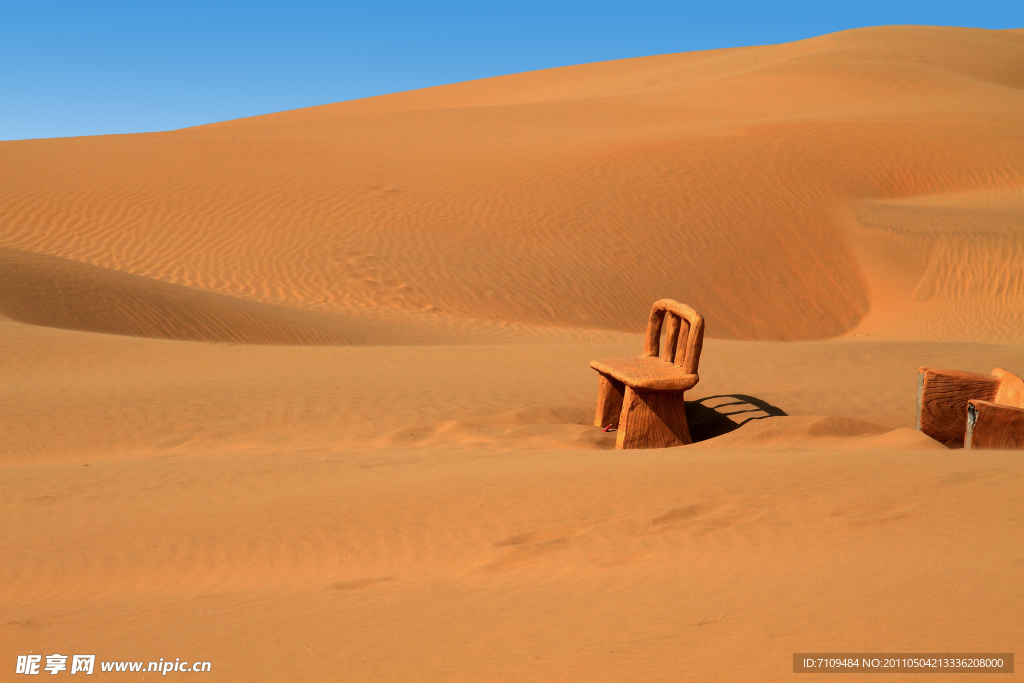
[[943, 266], [307, 395], [573, 196], [53, 292]]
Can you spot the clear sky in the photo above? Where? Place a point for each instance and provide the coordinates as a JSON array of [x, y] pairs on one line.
[[90, 68]]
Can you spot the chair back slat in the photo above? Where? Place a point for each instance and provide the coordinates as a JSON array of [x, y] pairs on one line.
[[684, 334], [684, 338], [668, 351], [653, 341]]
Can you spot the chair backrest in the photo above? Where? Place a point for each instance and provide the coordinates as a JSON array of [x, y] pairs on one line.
[[684, 334]]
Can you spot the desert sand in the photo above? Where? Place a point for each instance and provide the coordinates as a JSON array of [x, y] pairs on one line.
[[307, 395]]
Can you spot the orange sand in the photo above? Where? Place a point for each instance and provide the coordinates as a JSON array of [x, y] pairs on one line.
[[307, 395]]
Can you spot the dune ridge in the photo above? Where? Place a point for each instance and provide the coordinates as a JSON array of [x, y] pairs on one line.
[[37, 289], [53, 292]]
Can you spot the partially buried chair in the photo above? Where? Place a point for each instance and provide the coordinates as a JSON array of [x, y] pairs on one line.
[[973, 411], [642, 396]]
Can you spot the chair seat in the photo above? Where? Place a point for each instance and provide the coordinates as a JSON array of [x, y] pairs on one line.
[[647, 372]]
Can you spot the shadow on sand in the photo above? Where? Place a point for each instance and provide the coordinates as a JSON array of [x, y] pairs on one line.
[[713, 416]]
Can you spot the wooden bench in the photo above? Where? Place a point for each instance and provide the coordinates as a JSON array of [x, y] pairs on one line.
[[969, 410], [642, 396]]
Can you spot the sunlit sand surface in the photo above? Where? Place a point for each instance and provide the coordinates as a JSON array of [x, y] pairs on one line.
[[307, 395]]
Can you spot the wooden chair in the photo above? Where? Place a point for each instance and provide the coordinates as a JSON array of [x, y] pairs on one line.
[[964, 409], [642, 396]]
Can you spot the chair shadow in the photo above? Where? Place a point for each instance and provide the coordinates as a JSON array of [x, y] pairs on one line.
[[713, 416]]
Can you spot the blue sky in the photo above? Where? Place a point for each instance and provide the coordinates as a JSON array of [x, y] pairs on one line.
[[95, 68]]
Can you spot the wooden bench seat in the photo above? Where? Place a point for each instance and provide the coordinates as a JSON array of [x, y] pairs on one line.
[[642, 396]]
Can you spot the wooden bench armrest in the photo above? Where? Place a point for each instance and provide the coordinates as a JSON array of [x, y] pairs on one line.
[[942, 397], [993, 425]]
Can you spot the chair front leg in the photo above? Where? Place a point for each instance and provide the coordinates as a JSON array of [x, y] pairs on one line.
[[609, 401], [652, 419]]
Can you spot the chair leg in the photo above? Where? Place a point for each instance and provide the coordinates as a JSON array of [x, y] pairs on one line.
[[652, 420], [609, 401]]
